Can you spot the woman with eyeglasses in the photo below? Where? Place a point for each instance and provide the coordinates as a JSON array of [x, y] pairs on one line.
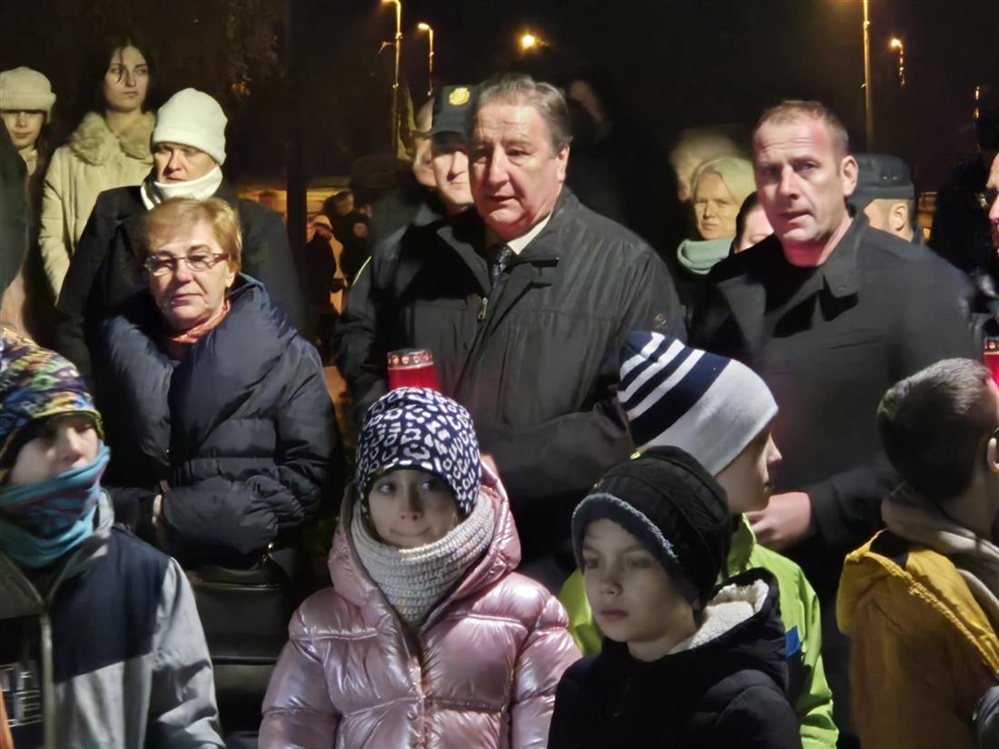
[[223, 432], [109, 148], [189, 149]]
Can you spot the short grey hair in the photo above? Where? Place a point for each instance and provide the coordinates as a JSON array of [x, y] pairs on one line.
[[519, 88]]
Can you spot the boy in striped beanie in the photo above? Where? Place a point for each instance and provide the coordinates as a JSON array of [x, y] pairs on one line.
[[720, 412]]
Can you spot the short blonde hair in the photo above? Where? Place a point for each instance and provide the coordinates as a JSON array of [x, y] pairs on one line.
[[162, 220], [736, 173]]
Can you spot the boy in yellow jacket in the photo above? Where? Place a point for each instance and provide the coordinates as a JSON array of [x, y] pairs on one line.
[[920, 601]]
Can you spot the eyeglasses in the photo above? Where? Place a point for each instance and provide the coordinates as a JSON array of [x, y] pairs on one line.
[[163, 263]]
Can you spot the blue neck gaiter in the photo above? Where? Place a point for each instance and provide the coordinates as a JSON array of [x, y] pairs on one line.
[[41, 522]]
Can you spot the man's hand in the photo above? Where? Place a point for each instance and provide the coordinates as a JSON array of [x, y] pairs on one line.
[[786, 521], [159, 524]]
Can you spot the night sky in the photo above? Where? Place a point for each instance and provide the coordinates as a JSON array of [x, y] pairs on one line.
[[672, 63]]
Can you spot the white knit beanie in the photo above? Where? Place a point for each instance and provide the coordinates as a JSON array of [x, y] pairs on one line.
[[707, 405], [24, 89], [192, 118]]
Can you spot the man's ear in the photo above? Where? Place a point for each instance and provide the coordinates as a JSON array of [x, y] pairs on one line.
[[850, 171], [992, 453], [898, 217], [562, 157]]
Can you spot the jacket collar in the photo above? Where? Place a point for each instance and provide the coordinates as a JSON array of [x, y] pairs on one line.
[[746, 292], [840, 271], [94, 143], [19, 594], [743, 543]]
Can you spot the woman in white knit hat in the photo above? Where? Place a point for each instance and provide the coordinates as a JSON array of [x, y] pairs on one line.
[[109, 148], [26, 101], [188, 148]]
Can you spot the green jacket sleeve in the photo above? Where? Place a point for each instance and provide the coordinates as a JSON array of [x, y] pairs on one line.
[[581, 625], [814, 705]]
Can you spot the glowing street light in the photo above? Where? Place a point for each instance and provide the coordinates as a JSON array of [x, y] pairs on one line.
[[529, 41], [868, 108], [395, 85], [430, 57], [897, 44]]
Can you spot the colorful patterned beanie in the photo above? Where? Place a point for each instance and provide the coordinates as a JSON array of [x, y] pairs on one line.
[[421, 429], [35, 384]]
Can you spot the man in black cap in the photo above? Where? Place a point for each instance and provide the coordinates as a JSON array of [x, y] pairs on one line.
[[389, 306], [886, 195]]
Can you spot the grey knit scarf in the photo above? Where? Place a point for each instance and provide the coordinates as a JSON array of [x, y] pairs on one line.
[[413, 580]]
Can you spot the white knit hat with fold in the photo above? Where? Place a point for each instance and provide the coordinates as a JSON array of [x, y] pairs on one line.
[[192, 118], [705, 404]]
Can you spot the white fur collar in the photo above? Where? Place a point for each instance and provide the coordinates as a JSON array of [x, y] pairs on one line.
[[94, 143], [733, 605]]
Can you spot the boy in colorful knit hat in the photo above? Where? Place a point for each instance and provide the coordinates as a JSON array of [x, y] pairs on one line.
[[720, 412], [100, 642], [428, 636]]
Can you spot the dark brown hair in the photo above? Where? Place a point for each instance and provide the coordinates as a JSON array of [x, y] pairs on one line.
[[933, 426], [791, 110]]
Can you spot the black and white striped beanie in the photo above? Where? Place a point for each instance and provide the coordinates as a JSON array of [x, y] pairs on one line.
[[705, 404]]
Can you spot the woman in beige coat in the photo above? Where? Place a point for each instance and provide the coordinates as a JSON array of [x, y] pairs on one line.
[[109, 148]]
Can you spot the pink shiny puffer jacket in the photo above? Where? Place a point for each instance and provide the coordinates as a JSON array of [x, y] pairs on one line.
[[480, 673]]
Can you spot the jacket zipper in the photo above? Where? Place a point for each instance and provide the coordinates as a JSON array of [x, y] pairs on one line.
[[45, 626]]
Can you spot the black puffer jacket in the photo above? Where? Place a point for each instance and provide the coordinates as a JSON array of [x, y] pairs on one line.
[[242, 431], [724, 690], [535, 359], [105, 269]]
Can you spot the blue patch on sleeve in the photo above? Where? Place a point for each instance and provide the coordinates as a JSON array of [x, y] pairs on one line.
[[792, 641]]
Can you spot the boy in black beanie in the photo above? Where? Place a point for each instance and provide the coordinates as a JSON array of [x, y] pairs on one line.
[[684, 664]]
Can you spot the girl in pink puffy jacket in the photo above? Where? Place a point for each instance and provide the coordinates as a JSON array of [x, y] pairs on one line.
[[428, 637]]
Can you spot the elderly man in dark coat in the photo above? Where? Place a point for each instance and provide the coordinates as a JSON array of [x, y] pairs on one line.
[[525, 303]]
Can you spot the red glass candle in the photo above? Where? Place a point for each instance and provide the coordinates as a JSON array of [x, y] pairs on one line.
[[412, 368], [991, 357]]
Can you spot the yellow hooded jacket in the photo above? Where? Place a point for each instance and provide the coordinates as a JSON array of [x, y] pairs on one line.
[[922, 651]]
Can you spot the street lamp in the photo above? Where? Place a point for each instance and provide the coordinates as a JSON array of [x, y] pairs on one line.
[[868, 109], [529, 41], [896, 44], [430, 57], [395, 84]]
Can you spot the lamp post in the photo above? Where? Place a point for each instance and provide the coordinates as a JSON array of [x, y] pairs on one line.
[[868, 109], [395, 84], [897, 44], [430, 56]]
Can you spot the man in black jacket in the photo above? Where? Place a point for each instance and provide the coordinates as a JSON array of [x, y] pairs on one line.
[[830, 313], [188, 145], [526, 339]]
